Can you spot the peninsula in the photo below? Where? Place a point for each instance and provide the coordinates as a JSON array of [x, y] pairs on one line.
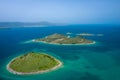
[[33, 63], [64, 39]]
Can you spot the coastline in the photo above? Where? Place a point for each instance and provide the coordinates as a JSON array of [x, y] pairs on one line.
[[62, 44], [38, 72]]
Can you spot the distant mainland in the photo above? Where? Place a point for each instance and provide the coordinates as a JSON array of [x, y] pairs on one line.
[[64, 39], [33, 63], [25, 24]]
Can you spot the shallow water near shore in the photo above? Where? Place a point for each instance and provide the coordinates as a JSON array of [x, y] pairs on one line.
[[100, 61]]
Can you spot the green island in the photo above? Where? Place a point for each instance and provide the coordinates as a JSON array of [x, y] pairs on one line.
[[64, 39], [33, 63]]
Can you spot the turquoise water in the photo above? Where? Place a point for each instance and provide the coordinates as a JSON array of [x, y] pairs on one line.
[[100, 61]]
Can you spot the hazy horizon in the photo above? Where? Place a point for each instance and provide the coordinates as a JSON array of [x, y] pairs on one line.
[[60, 11]]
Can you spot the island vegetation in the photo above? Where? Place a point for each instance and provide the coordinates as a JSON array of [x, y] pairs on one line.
[[64, 39], [33, 63]]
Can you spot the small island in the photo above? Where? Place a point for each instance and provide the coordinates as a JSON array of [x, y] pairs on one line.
[[64, 39], [33, 63]]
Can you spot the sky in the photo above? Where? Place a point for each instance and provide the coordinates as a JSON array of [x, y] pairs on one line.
[[61, 11]]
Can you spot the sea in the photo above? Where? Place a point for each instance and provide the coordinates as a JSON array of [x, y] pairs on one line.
[[99, 61]]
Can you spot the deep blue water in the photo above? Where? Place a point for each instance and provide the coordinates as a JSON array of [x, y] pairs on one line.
[[100, 61]]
